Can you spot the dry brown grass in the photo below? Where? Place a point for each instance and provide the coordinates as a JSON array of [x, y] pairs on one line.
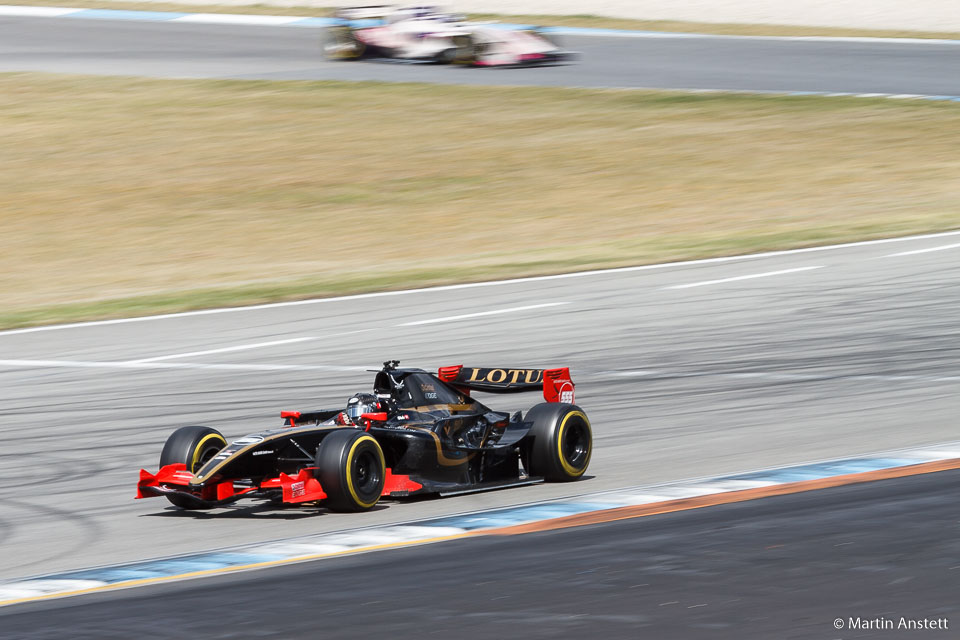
[[592, 21], [125, 195]]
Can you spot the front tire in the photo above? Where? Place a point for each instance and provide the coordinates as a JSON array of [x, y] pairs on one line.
[[562, 441], [194, 447], [464, 51], [351, 470]]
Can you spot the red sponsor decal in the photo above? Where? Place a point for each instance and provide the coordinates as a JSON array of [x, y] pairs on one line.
[[298, 489], [557, 386]]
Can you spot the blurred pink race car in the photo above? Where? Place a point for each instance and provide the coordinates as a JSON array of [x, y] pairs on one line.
[[425, 34]]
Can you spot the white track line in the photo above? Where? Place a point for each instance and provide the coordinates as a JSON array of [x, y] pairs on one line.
[[86, 364], [640, 373], [481, 313], [237, 18], [36, 12], [749, 277], [242, 347], [491, 283], [780, 377], [916, 251], [676, 35]]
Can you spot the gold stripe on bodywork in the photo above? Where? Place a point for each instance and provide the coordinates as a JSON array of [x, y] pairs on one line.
[[442, 407], [441, 458], [275, 436]]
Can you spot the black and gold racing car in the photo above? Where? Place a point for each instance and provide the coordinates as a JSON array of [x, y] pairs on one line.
[[417, 433]]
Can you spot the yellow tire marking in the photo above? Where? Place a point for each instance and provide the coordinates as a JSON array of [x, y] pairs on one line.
[[571, 471], [383, 465], [199, 448]]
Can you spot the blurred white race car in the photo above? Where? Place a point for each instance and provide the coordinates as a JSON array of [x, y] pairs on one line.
[[425, 34]]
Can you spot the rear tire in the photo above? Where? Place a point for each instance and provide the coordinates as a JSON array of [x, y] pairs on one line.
[[562, 441], [340, 43], [351, 470], [194, 447]]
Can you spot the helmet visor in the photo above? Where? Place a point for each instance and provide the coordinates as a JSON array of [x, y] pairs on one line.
[[356, 410]]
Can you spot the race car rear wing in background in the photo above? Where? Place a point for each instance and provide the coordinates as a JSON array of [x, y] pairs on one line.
[[369, 12], [556, 383]]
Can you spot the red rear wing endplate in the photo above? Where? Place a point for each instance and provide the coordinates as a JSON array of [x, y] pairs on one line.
[[555, 383]]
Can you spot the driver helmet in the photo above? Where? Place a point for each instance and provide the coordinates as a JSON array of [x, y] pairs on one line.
[[424, 11], [360, 404]]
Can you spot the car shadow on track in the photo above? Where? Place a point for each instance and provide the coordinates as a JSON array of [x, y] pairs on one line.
[[252, 512]]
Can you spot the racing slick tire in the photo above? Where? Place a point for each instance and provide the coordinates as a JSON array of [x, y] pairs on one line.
[[562, 441], [351, 470], [194, 447], [340, 43]]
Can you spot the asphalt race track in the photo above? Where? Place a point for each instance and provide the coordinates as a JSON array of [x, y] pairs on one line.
[[129, 47], [785, 568], [686, 370]]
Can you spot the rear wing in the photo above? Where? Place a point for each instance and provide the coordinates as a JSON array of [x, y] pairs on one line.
[[369, 12], [555, 383]]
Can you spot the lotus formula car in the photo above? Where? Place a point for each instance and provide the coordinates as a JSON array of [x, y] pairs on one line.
[[424, 34], [416, 434]]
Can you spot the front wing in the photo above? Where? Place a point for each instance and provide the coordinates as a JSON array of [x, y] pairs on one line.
[[175, 480]]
